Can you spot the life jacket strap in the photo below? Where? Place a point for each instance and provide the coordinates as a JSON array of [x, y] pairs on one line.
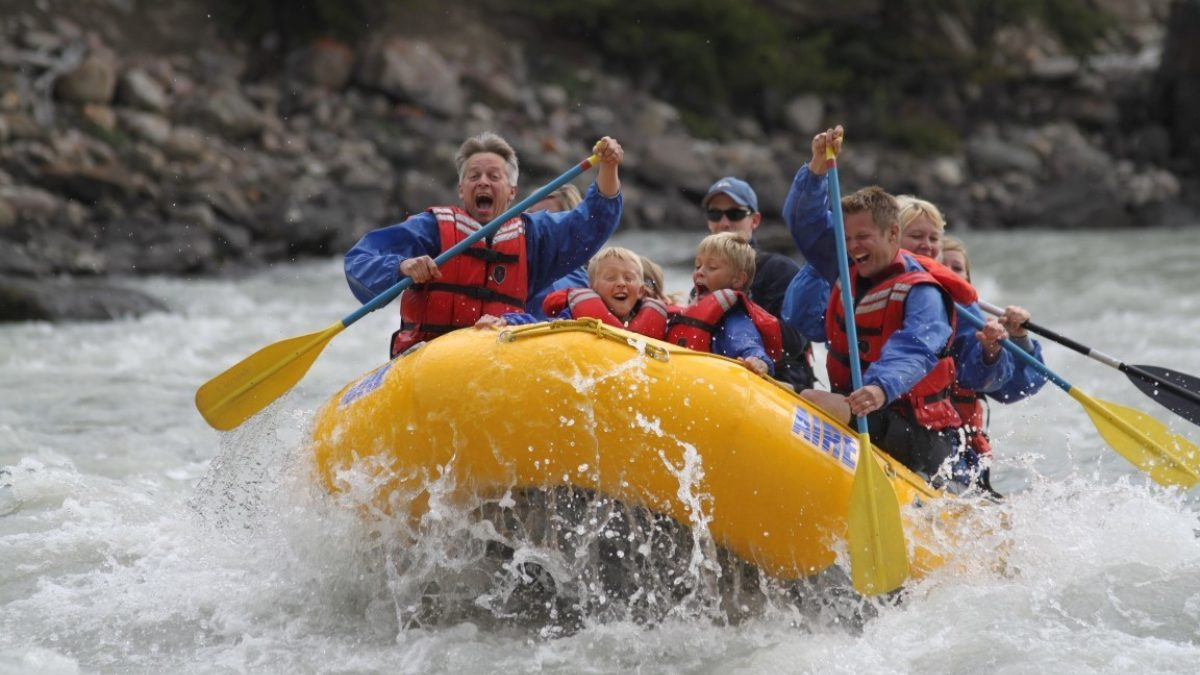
[[477, 292], [489, 255], [680, 319]]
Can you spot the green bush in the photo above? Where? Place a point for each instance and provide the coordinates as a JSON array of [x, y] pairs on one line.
[[698, 53], [710, 57], [291, 23]]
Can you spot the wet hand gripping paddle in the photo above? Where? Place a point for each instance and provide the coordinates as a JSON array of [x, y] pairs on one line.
[[1176, 391], [1170, 459]]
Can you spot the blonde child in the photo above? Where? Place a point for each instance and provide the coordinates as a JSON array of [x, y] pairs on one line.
[[616, 294], [721, 318]]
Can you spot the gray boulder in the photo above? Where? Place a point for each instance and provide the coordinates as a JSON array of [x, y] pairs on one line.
[[93, 81], [412, 70], [138, 89], [325, 63], [67, 300]]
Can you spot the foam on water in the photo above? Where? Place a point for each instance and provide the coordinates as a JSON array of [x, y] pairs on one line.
[[133, 538]]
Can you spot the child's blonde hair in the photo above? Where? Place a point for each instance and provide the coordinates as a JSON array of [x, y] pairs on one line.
[[616, 253], [732, 247], [652, 275], [567, 196], [912, 208], [953, 244]]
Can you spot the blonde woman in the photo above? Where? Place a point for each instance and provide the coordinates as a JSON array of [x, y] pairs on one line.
[[922, 227]]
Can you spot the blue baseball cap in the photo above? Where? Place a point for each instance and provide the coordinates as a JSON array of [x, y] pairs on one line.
[[737, 189]]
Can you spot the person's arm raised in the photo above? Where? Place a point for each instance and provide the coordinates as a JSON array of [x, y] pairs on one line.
[[610, 153], [819, 163]]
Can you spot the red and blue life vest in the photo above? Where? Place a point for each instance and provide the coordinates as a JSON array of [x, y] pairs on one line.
[[970, 407], [490, 277], [649, 315], [693, 326], [878, 313]]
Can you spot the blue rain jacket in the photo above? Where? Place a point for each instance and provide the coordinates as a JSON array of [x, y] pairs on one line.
[[556, 244]]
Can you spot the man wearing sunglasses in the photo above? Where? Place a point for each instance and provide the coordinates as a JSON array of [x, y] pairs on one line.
[[732, 206]]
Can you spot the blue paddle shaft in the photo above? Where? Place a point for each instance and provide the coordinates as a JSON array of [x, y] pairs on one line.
[[839, 232], [978, 322], [520, 207]]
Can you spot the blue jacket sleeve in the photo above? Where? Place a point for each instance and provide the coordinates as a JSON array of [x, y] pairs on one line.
[[576, 279], [737, 338], [519, 318], [972, 372], [373, 264], [560, 242], [806, 212], [555, 243], [522, 318], [805, 303], [1025, 381], [911, 352]]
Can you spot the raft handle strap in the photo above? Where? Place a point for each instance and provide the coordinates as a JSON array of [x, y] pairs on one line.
[[587, 325]]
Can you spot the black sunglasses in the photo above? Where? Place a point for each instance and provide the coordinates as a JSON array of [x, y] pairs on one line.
[[734, 214]]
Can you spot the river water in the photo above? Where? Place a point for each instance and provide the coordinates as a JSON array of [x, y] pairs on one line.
[[133, 538]]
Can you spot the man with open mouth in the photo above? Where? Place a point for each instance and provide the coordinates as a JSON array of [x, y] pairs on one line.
[[497, 274], [903, 313]]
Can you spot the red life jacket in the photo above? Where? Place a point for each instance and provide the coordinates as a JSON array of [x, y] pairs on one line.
[[879, 312], [970, 407], [649, 315], [490, 277], [693, 326]]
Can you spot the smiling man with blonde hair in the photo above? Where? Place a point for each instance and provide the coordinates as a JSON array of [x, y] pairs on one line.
[[902, 312]]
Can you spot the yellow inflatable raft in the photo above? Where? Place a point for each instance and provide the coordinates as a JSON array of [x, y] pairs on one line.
[[577, 403]]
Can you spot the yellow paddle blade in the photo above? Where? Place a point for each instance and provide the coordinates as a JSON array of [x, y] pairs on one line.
[[1169, 458], [237, 394], [878, 552]]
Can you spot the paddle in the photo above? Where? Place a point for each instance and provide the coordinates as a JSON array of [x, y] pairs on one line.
[[878, 552], [1178, 392], [237, 394], [1170, 459]]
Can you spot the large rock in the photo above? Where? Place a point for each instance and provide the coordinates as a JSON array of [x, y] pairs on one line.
[[1072, 154], [138, 89], [412, 70], [496, 82], [1177, 85], [100, 116], [146, 125], [90, 184], [93, 81], [8, 216], [804, 114], [1148, 187], [677, 160], [30, 202], [1072, 203], [177, 248], [67, 300], [230, 113], [15, 260], [655, 118], [989, 154], [326, 63], [186, 143], [417, 190]]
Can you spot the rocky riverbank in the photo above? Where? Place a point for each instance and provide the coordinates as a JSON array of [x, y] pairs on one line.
[[134, 141]]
